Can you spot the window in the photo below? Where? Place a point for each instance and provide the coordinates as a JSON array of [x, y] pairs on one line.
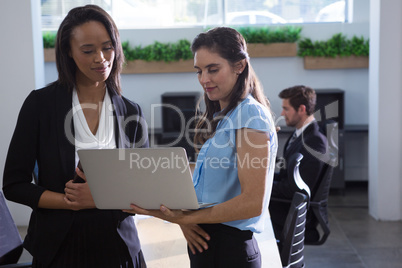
[[187, 13]]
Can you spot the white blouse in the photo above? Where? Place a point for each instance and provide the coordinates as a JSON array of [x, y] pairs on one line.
[[84, 138]]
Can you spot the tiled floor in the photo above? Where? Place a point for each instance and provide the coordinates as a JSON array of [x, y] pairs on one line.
[[356, 239]]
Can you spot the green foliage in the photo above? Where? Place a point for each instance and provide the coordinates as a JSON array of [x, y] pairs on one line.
[[159, 51], [360, 46], [156, 52], [49, 39], [338, 44], [267, 35]]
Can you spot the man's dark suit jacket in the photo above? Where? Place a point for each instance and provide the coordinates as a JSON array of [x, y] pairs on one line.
[[44, 134], [310, 170]]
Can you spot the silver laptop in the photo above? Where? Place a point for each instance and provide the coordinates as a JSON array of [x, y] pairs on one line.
[[147, 177]]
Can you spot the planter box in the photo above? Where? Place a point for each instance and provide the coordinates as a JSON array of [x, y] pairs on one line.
[[49, 54], [314, 63], [147, 67], [185, 66], [272, 50]]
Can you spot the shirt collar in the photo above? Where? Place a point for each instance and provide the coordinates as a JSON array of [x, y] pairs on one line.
[[300, 130]]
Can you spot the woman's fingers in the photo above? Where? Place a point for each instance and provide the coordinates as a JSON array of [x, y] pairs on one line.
[[166, 211], [80, 173], [79, 194], [201, 232], [136, 210], [191, 247], [196, 237], [69, 190]]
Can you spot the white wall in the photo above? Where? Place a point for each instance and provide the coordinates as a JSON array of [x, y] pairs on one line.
[[385, 128], [20, 72]]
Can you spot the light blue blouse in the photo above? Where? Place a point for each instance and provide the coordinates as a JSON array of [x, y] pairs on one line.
[[215, 175]]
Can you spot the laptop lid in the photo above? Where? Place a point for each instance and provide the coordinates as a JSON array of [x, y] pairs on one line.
[[147, 177]]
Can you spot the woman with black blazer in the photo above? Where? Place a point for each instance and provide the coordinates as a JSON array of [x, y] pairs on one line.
[[84, 108]]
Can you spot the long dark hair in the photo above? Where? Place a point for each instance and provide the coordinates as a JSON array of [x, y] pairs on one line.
[[66, 66], [230, 45]]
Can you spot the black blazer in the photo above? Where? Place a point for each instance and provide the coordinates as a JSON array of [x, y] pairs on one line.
[[310, 142], [44, 134]]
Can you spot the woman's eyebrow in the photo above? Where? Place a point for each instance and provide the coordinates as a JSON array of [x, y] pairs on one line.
[[91, 45], [209, 65]]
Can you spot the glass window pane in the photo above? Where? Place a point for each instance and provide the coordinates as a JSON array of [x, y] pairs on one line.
[[142, 14], [238, 19], [179, 13], [285, 11], [54, 11], [309, 11]]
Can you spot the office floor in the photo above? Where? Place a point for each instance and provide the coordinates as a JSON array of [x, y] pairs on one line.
[[356, 239]]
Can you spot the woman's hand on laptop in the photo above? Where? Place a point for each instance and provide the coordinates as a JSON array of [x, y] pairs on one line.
[[164, 213], [77, 195], [196, 237]]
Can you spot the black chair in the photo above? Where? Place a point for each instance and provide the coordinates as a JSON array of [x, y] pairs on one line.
[[291, 243], [296, 182], [10, 240], [317, 218], [317, 227], [17, 265], [293, 172]]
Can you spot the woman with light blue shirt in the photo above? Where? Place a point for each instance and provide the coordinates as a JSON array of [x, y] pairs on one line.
[[235, 164]]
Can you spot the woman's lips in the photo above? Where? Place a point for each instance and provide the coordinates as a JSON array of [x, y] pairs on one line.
[[101, 69]]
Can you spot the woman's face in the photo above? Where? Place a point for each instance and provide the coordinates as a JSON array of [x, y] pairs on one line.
[[92, 51], [216, 75]]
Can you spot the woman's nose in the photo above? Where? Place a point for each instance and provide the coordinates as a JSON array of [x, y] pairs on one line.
[[99, 57], [204, 78]]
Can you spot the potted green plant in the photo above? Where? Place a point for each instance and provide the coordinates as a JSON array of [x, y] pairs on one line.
[[338, 52], [177, 57], [159, 57], [271, 42], [49, 39]]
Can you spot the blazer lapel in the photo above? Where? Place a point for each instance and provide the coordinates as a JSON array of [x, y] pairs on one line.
[[65, 127], [287, 149], [65, 130], [296, 143], [119, 110]]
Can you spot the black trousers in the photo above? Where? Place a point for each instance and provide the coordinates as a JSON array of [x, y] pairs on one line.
[[278, 211], [228, 247], [93, 241]]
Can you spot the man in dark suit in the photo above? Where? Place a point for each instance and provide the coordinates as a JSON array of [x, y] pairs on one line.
[[298, 104]]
